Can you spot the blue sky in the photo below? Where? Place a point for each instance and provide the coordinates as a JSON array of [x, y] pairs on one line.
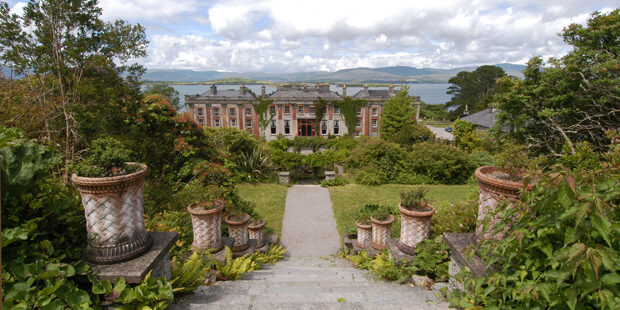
[[327, 35]]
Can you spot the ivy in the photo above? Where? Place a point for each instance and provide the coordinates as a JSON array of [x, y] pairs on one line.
[[261, 106], [320, 107], [348, 109]]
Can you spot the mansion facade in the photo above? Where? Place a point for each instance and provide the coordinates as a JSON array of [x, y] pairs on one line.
[[293, 108]]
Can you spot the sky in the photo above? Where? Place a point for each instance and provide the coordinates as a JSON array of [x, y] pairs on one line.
[[283, 36]]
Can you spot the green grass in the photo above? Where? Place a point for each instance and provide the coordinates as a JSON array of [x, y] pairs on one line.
[[269, 200], [347, 199]]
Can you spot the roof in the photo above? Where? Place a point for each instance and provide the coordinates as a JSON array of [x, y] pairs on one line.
[[485, 118], [374, 93], [300, 94]]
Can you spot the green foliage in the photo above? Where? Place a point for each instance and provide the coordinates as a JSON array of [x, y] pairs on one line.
[[363, 214], [274, 254], [583, 158], [381, 212], [320, 106], [443, 164], [464, 212], [334, 182], [567, 100], [189, 275], [433, 111], [414, 198], [348, 109], [465, 136], [167, 91], [233, 269], [106, 157], [562, 251], [397, 114], [254, 166], [151, 293], [177, 221], [411, 134], [261, 107], [472, 89]]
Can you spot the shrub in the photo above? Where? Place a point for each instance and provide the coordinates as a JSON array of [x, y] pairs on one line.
[[413, 199], [411, 134], [465, 136], [562, 251], [456, 218], [364, 213], [334, 182], [444, 164], [106, 157], [367, 177]]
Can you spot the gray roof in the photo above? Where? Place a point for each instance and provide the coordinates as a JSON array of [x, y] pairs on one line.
[[300, 94], [374, 93], [226, 94], [485, 118]]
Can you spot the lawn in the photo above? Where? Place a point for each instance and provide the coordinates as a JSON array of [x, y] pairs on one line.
[[269, 200], [347, 199]]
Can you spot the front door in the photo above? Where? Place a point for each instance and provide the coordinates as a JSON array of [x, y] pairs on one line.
[[305, 127]]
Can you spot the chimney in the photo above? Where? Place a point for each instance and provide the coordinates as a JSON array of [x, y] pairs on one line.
[[344, 90], [365, 89], [305, 87], [391, 88], [262, 91], [213, 89], [242, 90], [466, 112]]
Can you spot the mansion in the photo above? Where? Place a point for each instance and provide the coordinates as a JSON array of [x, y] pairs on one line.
[[293, 108]]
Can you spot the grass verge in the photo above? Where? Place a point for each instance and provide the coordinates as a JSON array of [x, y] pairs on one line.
[[269, 200], [446, 198]]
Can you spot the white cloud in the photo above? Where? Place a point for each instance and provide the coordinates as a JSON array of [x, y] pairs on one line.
[[287, 35]]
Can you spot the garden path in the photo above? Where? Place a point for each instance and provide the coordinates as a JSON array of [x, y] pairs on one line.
[[308, 278]]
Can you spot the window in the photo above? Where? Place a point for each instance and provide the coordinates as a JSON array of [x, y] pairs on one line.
[[232, 112], [357, 133], [199, 112], [287, 109], [233, 122], [311, 110], [336, 128], [216, 123], [248, 112], [216, 112], [374, 123], [336, 110], [375, 111], [359, 111], [272, 110], [248, 123], [273, 127], [300, 109], [358, 124], [287, 127], [201, 121], [324, 127], [373, 133]]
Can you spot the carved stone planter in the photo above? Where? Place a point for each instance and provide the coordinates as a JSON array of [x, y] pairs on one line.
[[414, 227], [364, 233], [284, 177], [207, 225], [114, 216], [238, 229], [256, 231], [491, 191], [381, 232]]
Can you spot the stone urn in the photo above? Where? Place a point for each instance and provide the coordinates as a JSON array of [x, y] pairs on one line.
[[492, 190], [113, 207], [364, 232], [415, 227], [381, 232], [207, 225], [256, 230], [238, 229]]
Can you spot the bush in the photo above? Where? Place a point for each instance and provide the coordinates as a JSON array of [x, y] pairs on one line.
[[334, 182], [562, 251], [465, 136], [411, 134], [444, 164], [106, 157], [456, 218]]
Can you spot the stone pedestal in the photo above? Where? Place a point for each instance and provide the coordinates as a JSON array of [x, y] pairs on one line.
[[330, 175], [249, 250], [397, 253], [220, 256], [284, 177], [459, 244], [269, 240], [157, 258]]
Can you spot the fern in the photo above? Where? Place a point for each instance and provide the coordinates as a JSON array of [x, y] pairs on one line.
[[233, 269], [360, 260], [275, 253], [188, 276]]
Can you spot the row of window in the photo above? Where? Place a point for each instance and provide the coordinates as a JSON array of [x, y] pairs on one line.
[[272, 110]]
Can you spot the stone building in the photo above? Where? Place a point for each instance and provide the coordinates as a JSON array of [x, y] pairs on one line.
[[293, 108]]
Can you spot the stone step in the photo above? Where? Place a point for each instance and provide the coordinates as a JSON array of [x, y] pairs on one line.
[[309, 306]]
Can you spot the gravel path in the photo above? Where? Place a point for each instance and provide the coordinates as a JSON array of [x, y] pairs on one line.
[[309, 226], [440, 132]]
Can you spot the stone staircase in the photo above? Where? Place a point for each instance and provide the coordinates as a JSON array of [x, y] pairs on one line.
[[311, 283]]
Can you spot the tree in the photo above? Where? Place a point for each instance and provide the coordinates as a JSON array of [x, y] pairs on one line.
[[261, 106], [165, 90], [472, 89], [397, 113], [465, 136], [572, 99], [68, 40], [433, 111]]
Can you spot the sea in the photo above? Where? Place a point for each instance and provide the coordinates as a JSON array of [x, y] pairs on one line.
[[429, 93]]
